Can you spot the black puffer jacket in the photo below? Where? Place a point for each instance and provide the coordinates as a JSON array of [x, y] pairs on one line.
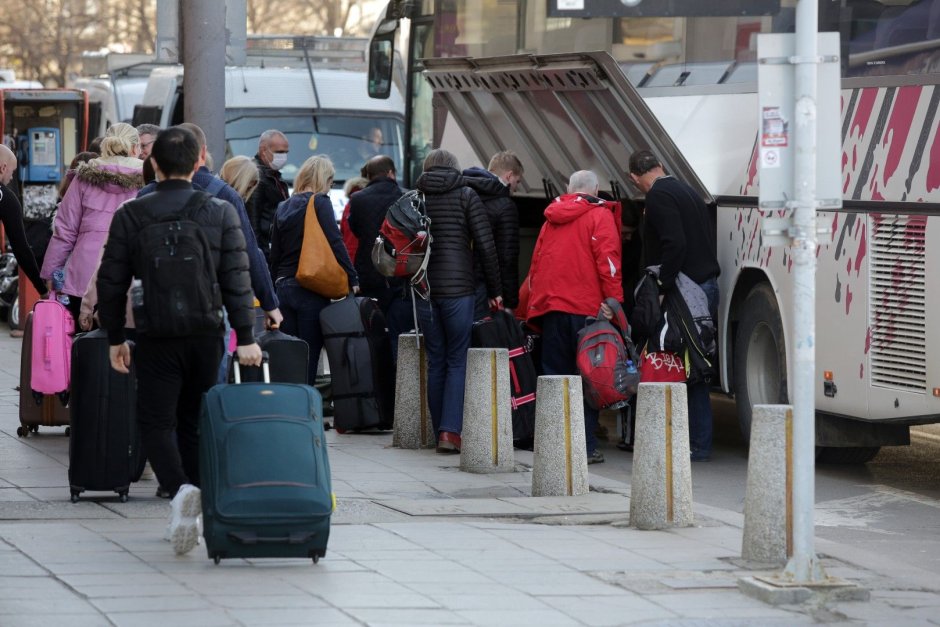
[[219, 221], [367, 209], [458, 226], [504, 221], [261, 206]]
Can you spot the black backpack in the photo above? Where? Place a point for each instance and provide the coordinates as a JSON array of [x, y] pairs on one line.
[[178, 293]]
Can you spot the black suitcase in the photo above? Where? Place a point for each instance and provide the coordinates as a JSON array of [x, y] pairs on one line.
[[501, 330], [104, 449], [289, 359], [360, 356]]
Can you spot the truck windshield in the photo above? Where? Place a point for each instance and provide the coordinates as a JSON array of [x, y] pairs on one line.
[[347, 140]]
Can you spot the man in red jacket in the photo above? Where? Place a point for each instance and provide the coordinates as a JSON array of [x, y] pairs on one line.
[[575, 266]]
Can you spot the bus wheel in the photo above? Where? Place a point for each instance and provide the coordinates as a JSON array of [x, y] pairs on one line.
[[846, 454], [760, 360]]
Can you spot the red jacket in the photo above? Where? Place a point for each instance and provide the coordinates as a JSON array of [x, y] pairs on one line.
[[576, 263], [349, 238]]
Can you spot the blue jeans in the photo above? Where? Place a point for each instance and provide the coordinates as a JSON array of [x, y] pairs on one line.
[[700, 403], [446, 325], [301, 310], [560, 357]]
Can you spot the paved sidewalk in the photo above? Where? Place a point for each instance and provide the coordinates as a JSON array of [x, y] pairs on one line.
[[414, 541]]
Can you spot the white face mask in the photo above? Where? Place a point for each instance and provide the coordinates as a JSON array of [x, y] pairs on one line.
[[278, 159]]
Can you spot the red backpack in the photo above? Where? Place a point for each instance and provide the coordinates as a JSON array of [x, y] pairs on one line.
[[403, 247], [608, 361]]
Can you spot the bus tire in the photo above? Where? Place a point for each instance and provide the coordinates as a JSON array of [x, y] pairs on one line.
[[846, 454], [760, 359]]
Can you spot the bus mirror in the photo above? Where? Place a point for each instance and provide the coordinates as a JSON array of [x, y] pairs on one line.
[[381, 53]]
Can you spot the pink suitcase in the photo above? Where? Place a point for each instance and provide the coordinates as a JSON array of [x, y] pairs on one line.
[[53, 328]]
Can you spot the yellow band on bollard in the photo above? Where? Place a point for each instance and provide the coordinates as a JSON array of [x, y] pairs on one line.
[[567, 409], [788, 429], [422, 391], [494, 409], [670, 507]]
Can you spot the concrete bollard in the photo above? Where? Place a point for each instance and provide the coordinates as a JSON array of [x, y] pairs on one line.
[[413, 428], [661, 486], [560, 461], [768, 511], [486, 438]]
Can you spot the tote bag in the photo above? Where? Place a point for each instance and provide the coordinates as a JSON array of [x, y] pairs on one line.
[[318, 270]]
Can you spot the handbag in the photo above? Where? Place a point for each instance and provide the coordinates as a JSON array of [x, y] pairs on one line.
[[318, 270]]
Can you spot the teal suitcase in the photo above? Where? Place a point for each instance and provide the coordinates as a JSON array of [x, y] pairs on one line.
[[265, 476]]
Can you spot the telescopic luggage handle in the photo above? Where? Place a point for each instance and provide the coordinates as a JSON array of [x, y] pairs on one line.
[[237, 368]]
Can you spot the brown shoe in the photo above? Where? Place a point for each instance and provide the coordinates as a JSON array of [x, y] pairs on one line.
[[448, 443]]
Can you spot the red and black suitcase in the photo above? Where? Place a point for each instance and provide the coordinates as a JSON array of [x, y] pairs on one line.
[[360, 354], [104, 449], [501, 330]]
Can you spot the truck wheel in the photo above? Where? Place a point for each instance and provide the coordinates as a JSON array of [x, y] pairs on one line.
[[760, 359], [846, 454]]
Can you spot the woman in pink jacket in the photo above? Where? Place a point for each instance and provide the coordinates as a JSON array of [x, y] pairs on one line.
[[84, 216]]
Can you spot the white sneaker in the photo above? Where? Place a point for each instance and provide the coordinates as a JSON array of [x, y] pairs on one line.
[[185, 509]]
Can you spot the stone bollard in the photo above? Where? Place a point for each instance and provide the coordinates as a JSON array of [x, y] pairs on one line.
[[486, 438], [560, 459], [413, 428], [768, 511], [661, 486]]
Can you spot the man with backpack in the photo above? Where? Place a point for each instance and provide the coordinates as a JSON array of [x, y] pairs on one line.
[[575, 267], [680, 237], [185, 253]]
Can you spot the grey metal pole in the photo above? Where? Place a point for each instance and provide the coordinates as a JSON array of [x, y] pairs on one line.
[[167, 47], [236, 23], [804, 565], [203, 31]]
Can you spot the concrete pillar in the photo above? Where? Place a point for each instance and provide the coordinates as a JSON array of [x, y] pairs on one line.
[[661, 486], [560, 461], [236, 27], [203, 30], [413, 428], [768, 509], [486, 438]]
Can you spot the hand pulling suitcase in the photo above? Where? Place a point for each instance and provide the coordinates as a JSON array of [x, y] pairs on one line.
[[36, 410], [51, 347], [360, 354], [502, 330], [266, 487], [104, 450], [289, 359]]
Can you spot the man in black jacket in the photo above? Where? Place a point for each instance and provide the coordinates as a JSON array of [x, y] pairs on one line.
[[11, 213], [173, 371], [273, 148], [495, 186], [367, 209], [680, 237], [458, 227]]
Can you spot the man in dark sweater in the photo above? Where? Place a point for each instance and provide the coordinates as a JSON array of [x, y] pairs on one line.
[[680, 237], [11, 213], [271, 191]]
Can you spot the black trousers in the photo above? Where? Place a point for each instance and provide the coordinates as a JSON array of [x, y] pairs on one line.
[[172, 376]]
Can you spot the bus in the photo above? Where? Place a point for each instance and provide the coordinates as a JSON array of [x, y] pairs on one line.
[[487, 75]]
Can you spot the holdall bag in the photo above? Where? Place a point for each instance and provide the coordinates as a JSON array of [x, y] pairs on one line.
[[318, 270], [662, 367], [53, 327], [607, 360]]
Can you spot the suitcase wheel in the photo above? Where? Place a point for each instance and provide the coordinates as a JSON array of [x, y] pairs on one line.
[[22, 431], [216, 558], [122, 496], [316, 558], [68, 431], [74, 497]]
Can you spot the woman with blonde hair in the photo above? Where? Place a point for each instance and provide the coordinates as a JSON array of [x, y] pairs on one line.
[[242, 174], [84, 217], [301, 307]]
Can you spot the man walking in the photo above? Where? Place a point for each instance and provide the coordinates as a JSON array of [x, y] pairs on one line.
[[179, 339], [575, 267], [273, 148], [679, 237]]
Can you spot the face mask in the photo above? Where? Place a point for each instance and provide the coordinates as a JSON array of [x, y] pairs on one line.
[[278, 159]]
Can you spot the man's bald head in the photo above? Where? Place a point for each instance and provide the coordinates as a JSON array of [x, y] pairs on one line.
[[7, 164]]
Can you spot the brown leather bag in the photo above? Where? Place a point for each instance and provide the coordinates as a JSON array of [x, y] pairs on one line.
[[318, 270]]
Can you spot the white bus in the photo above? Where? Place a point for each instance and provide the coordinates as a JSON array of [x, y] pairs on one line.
[[685, 87]]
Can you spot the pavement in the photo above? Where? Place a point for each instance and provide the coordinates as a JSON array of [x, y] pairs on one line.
[[414, 541]]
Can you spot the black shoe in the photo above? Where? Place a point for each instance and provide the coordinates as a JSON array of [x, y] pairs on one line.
[[595, 458], [700, 457], [162, 493], [625, 446]]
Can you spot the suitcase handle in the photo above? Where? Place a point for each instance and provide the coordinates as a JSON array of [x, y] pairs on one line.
[[251, 537], [265, 370]]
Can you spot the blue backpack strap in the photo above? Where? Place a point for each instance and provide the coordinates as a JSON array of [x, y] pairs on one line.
[[215, 186]]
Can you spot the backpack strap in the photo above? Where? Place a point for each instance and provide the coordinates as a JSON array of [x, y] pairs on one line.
[[620, 319], [215, 186]]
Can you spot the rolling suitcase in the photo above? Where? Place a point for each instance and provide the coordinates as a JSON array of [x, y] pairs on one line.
[[265, 475], [360, 356], [37, 410], [104, 450], [288, 359], [502, 330], [51, 347]]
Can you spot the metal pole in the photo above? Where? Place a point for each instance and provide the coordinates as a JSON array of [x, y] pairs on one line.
[[236, 23], [204, 77], [166, 47], [803, 565]]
